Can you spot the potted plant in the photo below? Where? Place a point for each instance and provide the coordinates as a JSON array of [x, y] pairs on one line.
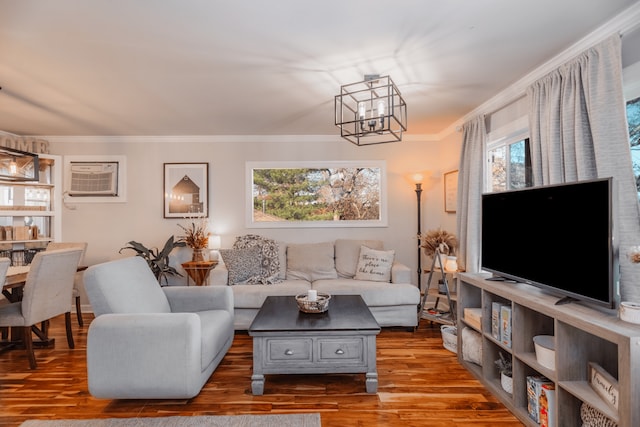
[[506, 373], [158, 260]]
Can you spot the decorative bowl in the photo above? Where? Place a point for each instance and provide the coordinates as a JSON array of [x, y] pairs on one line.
[[320, 305]]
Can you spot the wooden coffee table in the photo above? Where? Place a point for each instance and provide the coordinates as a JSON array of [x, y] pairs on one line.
[[289, 341]]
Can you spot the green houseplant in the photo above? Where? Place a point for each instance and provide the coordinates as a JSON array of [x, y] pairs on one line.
[[506, 371], [158, 260]]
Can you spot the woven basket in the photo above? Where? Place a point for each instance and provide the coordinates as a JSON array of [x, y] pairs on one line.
[[320, 305], [449, 337]]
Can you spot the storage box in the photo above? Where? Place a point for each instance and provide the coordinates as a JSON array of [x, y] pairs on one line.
[[473, 316]]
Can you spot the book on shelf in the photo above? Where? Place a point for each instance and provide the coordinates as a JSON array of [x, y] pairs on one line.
[[505, 322], [495, 320], [547, 405], [534, 391]]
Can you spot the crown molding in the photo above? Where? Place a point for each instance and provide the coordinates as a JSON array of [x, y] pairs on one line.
[[208, 139]]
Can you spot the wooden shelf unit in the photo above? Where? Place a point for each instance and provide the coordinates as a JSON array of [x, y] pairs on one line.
[[582, 334], [33, 203]]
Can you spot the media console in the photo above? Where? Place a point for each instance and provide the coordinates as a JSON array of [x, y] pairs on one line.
[[582, 335]]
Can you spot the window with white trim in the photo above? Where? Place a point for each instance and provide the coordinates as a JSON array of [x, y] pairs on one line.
[[508, 165]]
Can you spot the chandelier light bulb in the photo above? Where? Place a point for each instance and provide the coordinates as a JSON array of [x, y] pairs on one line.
[[361, 110]]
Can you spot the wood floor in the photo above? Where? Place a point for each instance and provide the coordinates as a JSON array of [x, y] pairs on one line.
[[420, 384]]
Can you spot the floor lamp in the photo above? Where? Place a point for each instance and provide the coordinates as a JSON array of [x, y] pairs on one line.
[[417, 179]]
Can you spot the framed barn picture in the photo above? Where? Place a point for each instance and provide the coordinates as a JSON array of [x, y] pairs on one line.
[[186, 190]]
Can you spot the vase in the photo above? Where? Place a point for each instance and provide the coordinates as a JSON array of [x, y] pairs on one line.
[[198, 254], [507, 383]]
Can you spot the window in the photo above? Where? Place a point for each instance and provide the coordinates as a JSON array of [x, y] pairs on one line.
[[509, 165], [633, 119]]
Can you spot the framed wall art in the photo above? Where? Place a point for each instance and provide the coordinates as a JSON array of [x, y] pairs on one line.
[[186, 190], [316, 194], [451, 191]]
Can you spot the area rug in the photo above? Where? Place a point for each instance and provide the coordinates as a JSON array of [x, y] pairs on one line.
[[284, 420]]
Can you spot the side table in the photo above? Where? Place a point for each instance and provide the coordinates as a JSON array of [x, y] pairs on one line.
[[199, 271]]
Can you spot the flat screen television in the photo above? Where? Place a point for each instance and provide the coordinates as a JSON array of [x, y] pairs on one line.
[[557, 237]]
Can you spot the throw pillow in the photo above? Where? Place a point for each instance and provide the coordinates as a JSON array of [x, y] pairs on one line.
[[270, 264], [348, 254], [374, 265], [242, 264], [311, 261]]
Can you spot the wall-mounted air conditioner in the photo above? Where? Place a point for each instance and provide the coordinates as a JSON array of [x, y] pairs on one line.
[[91, 179]]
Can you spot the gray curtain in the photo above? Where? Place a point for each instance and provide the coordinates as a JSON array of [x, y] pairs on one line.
[[577, 120], [470, 187]]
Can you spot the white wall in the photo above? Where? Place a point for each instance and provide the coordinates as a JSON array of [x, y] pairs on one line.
[[107, 227]]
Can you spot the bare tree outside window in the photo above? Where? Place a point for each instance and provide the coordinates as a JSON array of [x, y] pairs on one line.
[[633, 119], [329, 195]]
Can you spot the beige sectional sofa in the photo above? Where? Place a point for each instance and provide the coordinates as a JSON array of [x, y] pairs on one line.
[[343, 266]]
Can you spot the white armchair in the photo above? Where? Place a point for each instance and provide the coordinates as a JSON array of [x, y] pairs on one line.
[[152, 342]]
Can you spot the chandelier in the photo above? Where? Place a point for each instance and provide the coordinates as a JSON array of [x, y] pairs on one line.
[[371, 111]]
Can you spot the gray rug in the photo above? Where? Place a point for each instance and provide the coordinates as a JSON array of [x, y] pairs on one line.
[[285, 420]]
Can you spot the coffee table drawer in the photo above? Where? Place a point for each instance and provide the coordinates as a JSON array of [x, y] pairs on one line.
[[289, 349], [343, 349]]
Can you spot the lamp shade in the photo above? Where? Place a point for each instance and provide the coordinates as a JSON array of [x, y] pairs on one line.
[[214, 241], [418, 177]]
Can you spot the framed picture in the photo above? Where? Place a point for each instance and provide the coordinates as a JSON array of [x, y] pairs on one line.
[[604, 384], [316, 194], [186, 190], [451, 191]]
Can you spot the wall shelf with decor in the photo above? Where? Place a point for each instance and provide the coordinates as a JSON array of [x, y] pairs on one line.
[[589, 361], [30, 211]]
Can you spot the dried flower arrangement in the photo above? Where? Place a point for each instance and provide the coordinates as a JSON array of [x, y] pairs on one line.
[[442, 240], [634, 254], [195, 236]]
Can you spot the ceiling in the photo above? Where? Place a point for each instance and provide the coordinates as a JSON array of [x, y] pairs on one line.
[[255, 67]]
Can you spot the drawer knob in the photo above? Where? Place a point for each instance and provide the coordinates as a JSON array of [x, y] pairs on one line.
[[288, 352], [339, 351]]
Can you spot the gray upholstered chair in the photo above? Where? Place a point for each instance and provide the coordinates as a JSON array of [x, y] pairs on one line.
[[53, 246], [46, 294], [4, 267], [152, 342]]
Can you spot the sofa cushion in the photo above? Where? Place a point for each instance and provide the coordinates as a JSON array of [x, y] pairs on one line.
[[250, 296], [270, 262], [311, 261], [374, 294], [348, 254], [374, 265], [243, 264], [282, 258]]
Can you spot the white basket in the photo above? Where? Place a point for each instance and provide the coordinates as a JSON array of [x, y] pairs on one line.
[[449, 337]]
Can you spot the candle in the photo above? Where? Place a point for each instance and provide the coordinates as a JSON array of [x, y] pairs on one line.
[[312, 295]]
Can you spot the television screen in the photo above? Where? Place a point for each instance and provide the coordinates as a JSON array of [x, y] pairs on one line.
[[557, 237]]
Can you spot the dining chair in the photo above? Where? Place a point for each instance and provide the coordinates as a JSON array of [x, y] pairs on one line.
[[53, 246], [4, 267], [46, 294]]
